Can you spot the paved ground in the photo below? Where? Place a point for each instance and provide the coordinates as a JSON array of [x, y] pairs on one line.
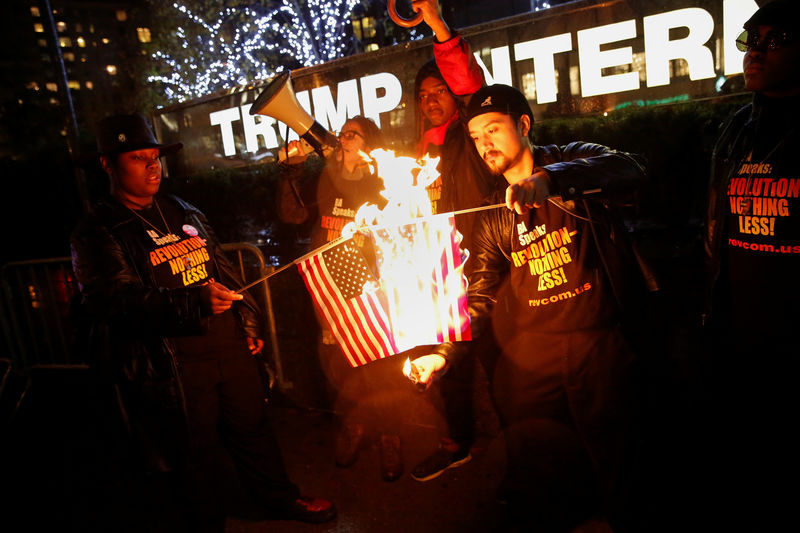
[[62, 473]]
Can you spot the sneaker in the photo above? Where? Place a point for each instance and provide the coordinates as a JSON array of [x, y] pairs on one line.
[[438, 462], [391, 458], [348, 443], [307, 509]]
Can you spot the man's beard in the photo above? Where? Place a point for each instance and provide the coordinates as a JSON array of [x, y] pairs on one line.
[[499, 164]]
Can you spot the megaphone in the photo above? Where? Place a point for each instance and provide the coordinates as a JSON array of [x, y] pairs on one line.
[[279, 101]]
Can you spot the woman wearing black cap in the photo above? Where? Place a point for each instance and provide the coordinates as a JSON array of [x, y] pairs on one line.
[[174, 337]]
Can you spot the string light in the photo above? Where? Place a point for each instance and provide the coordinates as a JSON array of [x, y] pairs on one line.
[[247, 43]]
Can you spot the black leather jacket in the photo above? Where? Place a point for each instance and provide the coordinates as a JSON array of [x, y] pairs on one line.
[[757, 126], [586, 176], [131, 318]]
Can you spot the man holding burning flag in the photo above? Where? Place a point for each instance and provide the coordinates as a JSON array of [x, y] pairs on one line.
[[551, 276]]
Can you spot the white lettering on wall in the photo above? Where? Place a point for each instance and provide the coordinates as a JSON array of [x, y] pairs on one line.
[[544, 68], [225, 119], [501, 66], [374, 104], [659, 49], [333, 116], [255, 125], [382, 92], [592, 60]]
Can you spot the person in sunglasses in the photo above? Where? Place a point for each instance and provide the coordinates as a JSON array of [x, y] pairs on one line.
[[752, 251], [363, 397]]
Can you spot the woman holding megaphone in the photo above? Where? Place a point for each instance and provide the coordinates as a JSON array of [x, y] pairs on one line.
[[362, 397]]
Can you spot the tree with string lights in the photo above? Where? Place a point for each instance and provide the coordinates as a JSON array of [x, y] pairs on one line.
[[209, 49]]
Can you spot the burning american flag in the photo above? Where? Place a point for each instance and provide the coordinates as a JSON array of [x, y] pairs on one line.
[[375, 318], [420, 293]]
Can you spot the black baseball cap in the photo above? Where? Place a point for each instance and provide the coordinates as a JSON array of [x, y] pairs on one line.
[[125, 133], [498, 98], [783, 14]]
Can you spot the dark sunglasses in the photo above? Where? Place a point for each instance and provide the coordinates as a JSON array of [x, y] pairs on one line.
[[772, 41], [349, 135]]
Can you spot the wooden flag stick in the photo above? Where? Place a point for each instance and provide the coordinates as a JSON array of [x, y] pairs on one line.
[[338, 241]]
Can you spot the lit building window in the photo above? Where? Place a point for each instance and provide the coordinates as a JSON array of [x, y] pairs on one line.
[[122, 15], [35, 11], [32, 85], [89, 85], [78, 27], [65, 42], [575, 80], [54, 101], [111, 69], [84, 59], [680, 68], [72, 84], [38, 28], [61, 26], [371, 46], [81, 42], [639, 65], [42, 43], [144, 34], [69, 56], [363, 28], [91, 28], [52, 87], [368, 27], [105, 40], [529, 86]]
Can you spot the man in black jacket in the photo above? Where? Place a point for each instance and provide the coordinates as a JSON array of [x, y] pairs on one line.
[[177, 341], [752, 244], [547, 274]]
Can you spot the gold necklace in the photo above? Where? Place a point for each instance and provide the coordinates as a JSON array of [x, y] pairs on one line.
[[164, 220]]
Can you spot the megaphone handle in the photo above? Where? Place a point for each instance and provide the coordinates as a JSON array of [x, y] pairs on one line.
[[318, 137], [400, 21]]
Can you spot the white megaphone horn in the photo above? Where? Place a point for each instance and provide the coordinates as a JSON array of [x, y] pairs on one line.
[[278, 101]]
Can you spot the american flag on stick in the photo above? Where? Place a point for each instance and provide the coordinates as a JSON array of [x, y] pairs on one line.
[[346, 293], [376, 318]]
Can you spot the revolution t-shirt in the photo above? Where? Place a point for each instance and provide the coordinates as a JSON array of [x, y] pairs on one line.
[[763, 246]]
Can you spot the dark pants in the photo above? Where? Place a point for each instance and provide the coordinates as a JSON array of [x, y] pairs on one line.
[[565, 401], [372, 394], [228, 423], [752, 419]]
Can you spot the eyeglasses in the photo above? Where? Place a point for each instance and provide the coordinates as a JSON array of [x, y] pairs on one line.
[[349, 135], [771, 41]]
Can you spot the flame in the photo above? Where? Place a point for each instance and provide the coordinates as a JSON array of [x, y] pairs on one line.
[[409, 242], [407, 367]]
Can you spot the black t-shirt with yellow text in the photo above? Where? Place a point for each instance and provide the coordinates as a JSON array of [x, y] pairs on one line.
[[179, 256], [763, 246]]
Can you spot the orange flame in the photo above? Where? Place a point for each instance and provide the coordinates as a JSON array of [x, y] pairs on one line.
[[409, 242]]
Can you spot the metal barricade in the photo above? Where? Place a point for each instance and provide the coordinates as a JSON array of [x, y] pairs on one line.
[[256, 268], [35, 303], [38, 305]]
